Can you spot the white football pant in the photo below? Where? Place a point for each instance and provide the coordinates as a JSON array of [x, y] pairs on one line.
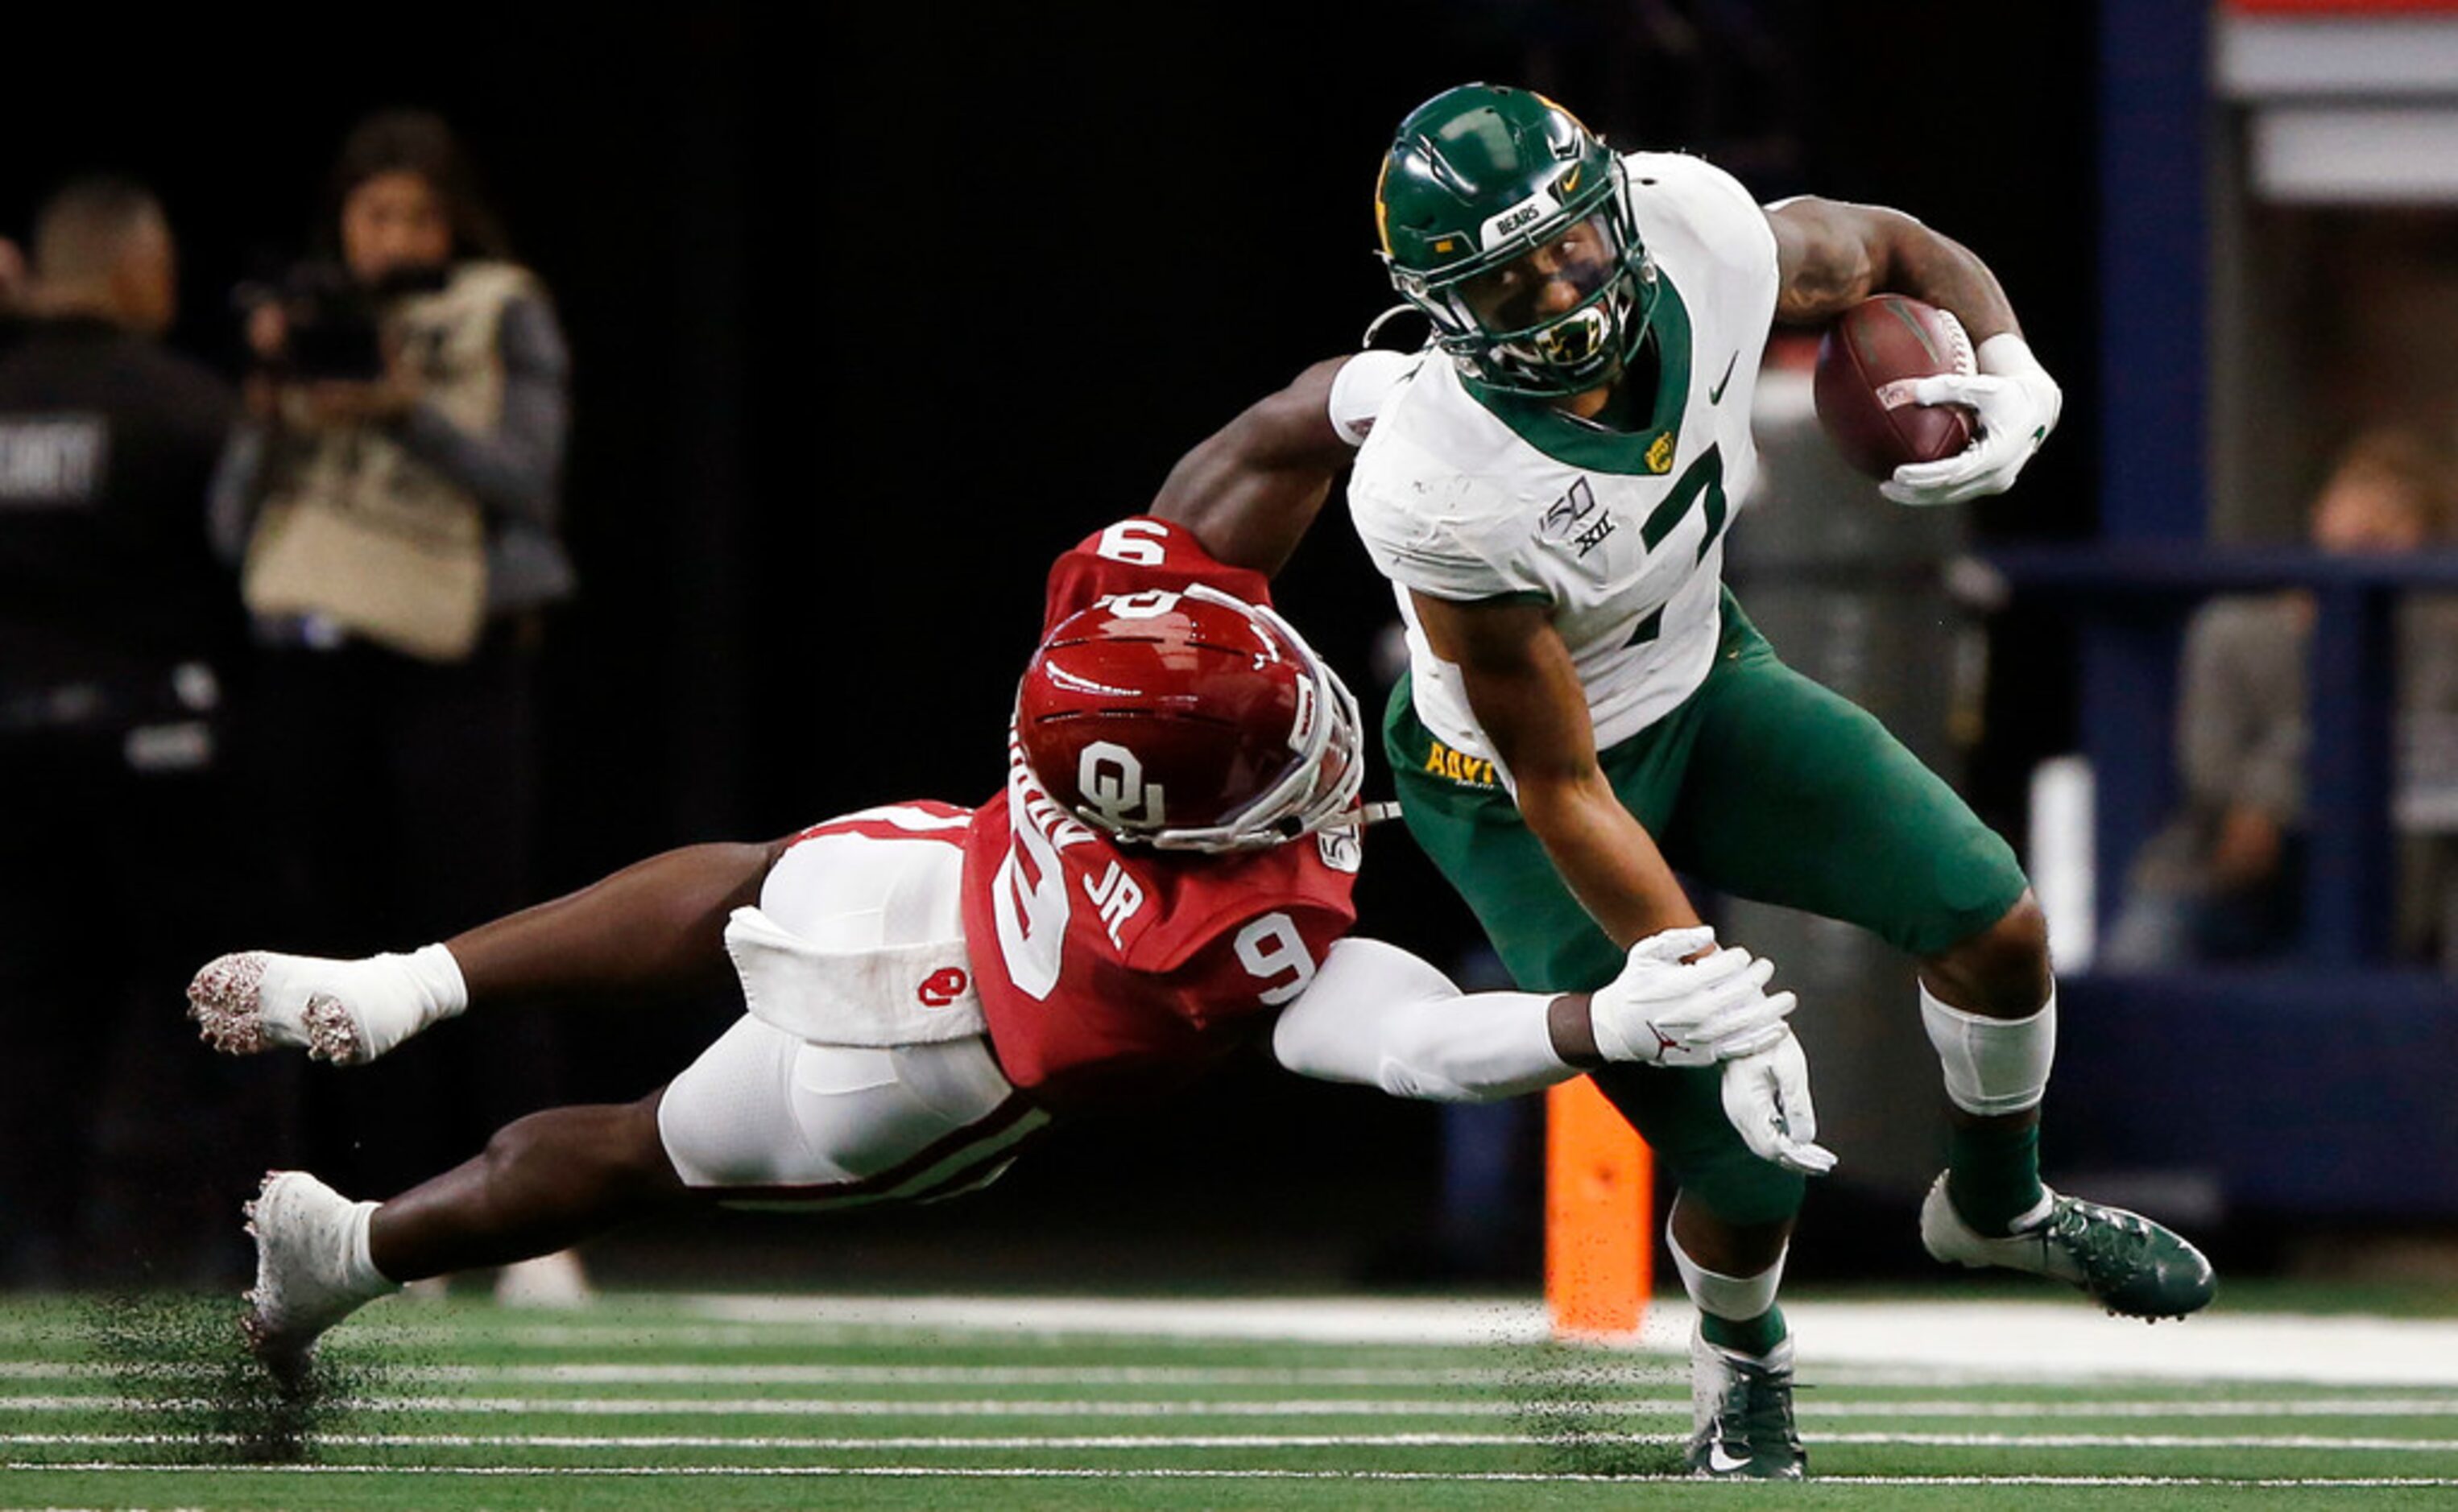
[[770, 1118]]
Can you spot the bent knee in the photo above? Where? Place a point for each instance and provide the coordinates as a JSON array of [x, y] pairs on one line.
[[2003, 971], [1750, 1195]]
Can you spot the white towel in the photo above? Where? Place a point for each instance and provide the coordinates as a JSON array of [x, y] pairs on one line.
[[879, 996]]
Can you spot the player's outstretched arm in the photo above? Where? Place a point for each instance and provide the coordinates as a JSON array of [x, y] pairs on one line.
[[655, 928], [1830, 255], [1378, 1016], [1250, 489]]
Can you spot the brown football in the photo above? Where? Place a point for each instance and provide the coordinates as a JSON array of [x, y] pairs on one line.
[[1867, 362]]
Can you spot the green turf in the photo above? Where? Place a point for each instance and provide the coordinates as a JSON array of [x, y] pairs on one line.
[[643, 1402]]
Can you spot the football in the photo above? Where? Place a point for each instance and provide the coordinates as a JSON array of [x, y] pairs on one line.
[[1867, 362]]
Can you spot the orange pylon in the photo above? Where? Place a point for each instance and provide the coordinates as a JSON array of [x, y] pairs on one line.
[[1600, 1193]]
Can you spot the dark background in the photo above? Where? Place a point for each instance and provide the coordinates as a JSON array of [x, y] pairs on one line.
[[875, 309]]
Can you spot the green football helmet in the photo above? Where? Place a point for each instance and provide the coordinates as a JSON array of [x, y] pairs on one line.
[[1482, 177]]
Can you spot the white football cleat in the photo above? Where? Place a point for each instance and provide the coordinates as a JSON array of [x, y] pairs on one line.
[[348, 1012], [1741, 1415], [239, 1012], [306, 1278]]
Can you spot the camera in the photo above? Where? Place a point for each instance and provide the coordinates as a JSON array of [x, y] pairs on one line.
[[334, 323]]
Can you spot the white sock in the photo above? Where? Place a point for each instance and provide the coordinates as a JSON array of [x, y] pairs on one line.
[[391, 996], [1734, 1298], [358, 1261], [439, 978]]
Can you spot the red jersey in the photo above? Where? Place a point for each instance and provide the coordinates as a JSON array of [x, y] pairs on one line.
[[1111, 971]]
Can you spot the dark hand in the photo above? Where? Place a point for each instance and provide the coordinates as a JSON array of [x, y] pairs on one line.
[[331, 401]]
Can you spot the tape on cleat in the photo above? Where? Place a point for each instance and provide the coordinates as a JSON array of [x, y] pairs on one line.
[[223, 1000], [332, 1035]]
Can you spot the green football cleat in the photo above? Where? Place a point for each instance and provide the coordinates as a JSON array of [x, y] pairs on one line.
[[2131, 1266], [1741, 1414]]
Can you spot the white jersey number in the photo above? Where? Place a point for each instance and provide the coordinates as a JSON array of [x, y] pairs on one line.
[[1136, 542], [1031, 920], [1271, 946]]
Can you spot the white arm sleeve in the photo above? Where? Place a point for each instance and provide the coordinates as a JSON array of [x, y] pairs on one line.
[[1377, 1015]]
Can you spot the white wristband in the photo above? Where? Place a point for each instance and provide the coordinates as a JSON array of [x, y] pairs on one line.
[[2006, 355]]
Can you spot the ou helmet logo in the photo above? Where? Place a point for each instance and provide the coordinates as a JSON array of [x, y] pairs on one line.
[[1112, 781]]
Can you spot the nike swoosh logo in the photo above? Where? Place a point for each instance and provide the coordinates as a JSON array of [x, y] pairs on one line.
[[1722, 1462], [1716, 395]]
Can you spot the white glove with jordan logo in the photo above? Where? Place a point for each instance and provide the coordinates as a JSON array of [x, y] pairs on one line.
[[1663, 1011], [2018, 404]]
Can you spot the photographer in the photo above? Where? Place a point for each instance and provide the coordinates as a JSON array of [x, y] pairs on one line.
[[417, 385], [393, 502]]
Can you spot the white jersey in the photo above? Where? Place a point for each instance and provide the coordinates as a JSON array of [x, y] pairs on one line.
[[1470, 495]]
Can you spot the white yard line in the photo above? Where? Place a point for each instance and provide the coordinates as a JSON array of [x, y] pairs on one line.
[[898, 1407], [1146, 1443], [1582, 1403], [1027, 1473], [644, 1375], [1592, 1374]]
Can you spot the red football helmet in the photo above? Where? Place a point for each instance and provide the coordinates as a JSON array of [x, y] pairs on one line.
[[1190, 720]]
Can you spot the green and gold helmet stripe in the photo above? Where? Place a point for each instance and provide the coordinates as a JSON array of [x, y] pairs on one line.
[[1382, 210]]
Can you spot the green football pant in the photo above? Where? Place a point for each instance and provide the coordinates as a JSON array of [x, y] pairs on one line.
[[1762, 785]]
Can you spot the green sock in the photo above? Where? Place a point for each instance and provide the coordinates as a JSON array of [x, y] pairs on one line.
[[1755, 1337], [1993, 1174]]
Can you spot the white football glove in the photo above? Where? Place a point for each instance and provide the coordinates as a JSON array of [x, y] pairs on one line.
[[348, 1012], [2018, 404], [1662, 1012], [1766, 1095]]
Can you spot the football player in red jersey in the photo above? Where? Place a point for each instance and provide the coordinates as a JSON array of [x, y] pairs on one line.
[[1164, 879]]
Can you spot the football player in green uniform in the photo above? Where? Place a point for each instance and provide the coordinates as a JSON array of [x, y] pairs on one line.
[[1548, 485]]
